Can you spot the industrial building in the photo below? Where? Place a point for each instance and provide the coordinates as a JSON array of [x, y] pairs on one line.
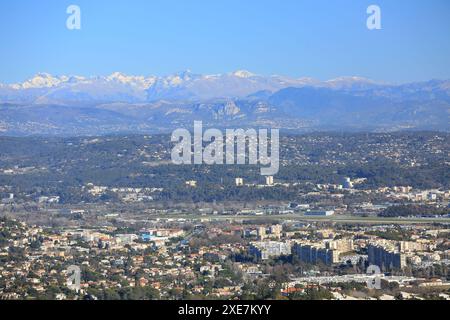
[[320, 213]]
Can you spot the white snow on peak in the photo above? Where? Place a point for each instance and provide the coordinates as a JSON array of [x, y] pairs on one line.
[[350, 79], [243, 74], [41, 80], [138, 81], [240, 83]]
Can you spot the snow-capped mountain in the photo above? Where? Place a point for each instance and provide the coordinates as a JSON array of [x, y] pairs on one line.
[[45, 88], [351, 83], [74, 105], [41, 80]]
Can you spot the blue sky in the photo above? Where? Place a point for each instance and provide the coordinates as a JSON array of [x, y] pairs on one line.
[[316, 38]]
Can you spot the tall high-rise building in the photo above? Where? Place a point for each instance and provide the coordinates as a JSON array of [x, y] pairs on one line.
[[276, 230], [342, 245], [269, 249], [261, 233], [313, 254], [386, 258]]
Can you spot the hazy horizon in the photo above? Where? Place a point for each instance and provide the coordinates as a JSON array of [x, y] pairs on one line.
[[230, 72]]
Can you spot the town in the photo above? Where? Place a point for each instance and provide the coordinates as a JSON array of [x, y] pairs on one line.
[[208, 259], [139, 227]]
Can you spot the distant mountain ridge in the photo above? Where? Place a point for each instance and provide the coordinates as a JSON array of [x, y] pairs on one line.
[[45, 88], [119, 103]]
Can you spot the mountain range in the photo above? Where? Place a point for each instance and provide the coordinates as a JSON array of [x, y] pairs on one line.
[[119, 103]]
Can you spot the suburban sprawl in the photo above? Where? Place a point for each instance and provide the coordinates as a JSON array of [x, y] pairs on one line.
[[349, 216]]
